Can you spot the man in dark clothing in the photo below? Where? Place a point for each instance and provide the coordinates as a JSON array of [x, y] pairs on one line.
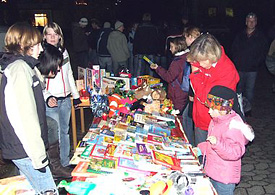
[[104, 56], [145, 43], [248, 53]]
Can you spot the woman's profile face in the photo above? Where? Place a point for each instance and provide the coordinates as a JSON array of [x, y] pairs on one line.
[[35, 50], [51, 37]]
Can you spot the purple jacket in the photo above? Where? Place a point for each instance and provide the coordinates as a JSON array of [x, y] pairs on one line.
[[223, 160], [175, 71]]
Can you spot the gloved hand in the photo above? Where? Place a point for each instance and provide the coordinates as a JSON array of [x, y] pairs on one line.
[[76, 101]]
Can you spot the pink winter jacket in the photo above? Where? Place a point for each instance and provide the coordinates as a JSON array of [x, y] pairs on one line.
[[223, 160]]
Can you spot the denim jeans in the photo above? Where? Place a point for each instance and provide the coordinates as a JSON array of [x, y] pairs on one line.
[[223, 189], [141, 67], [188, 125], [41, 182], [246, 84], [105, 63], [200, 135], [62, 114]]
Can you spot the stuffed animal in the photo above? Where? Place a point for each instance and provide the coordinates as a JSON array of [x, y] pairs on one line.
[[114, 103]]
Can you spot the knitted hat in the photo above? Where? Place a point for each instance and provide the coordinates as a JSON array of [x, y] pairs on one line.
[[83, 21], [223, 98], [118, 24], [106, 25]]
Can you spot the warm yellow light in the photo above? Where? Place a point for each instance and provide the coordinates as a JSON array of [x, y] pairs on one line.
[[40, 19]]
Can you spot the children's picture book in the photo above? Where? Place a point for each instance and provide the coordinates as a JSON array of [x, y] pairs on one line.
[[166, 160], [120, 135], [81, 146], [98, 139], [131, 129], [81, 74], [98, 151], [110, 151], [155, 139], [107, 140], [175, 143], [89, 79], [163, 116], [89, 135], [187, 155], [190, 166], [124, 150], [141, 138], [87, 151], [142, 149], [130, 139], [81, 170], [102, 166], [157, 130], [107, 132], [140, 130]]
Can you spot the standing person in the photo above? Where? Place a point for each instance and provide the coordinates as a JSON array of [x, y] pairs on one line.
[[131, 37], [117, 46], [104, 56], [227, 137], [50, 60], [59, 90], [191, 33], [80, 42], [23, 126], [145, 43], [93, 39], [248, 53], [173, 76], [210, 66]]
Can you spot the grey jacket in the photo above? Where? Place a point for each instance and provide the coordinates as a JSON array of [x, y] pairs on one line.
[[117, 46], [23, 127]]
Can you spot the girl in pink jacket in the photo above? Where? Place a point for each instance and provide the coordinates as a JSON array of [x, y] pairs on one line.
[[227, 137]]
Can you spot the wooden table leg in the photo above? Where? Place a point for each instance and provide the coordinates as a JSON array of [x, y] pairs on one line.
[[74, 127], [82, 119]]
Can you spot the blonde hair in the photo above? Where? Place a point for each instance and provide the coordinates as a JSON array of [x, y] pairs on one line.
[[56, 28], [205, 47], [20, 37], [192, 31]]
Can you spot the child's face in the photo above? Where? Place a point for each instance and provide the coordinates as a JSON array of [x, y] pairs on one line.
[[205, 64], [172, 48], [216, 113]]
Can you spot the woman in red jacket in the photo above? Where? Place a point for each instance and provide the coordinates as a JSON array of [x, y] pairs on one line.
[[173, 76], [210, 66]]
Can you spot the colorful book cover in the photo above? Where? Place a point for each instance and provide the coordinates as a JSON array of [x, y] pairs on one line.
[[81, 74], [89, 135], [141, 138], [166, 160], [81, 146], [156, 130], [107, 140], [81, 170], [175, 143], [164, 117], [96, 75], [98, 139], [110, 150], [142, 149], [120, 135], [98, 151], [87, 152], [102, 166], [155, 139], [131, 129], [141, 130], [107, 132], [130, 139], [130, 165], [89, 79], [124, 150]]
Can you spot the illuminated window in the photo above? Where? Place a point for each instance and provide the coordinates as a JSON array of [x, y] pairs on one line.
[[229, 12], [212, 11], [81, 2], [40, 19]]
